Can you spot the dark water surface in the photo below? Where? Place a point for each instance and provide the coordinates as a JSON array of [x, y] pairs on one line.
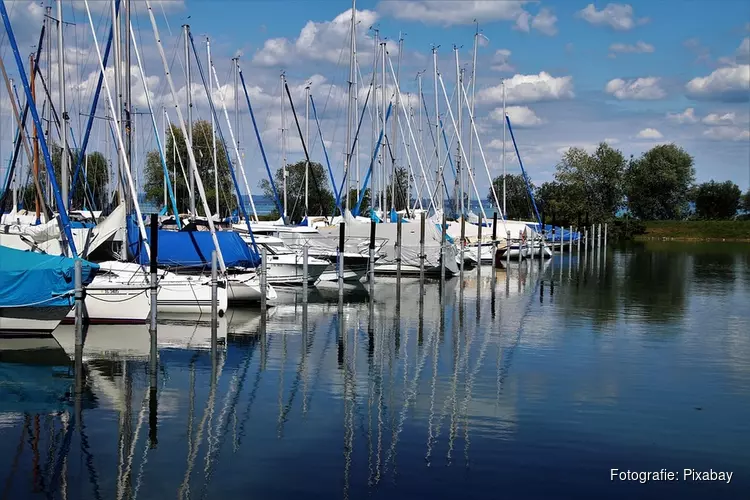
[[534, 388]]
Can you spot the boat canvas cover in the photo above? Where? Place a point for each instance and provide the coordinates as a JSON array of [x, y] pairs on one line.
[[191, 248], [29, 279]]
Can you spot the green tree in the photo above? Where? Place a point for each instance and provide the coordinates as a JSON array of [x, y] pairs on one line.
[[320, 198], [401, 189], [658, 183], [717, 200], [365, 205], [96, 170], [517, 201], [745, 204], [177, 160], [590, 185]]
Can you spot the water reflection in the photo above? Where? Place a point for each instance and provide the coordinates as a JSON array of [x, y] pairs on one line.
[[448, 389]]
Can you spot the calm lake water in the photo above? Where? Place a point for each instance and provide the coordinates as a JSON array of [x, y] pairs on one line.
[[529, 384]]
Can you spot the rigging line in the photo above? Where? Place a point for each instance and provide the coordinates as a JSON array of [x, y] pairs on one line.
[[304, 148]]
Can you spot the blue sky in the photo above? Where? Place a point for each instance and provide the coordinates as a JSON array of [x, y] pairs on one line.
[[634, 74]]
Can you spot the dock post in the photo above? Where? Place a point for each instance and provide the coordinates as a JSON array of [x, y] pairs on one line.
[[372, 255], [263, 287], [578, 243], [593, 236], [479, 248], [605, 235], [78, 355], [570, 239], [442, 250], [398, 248], [214, 304], [342, 237], [154, 248], [79, 303], [494, 228], [562, 241], [305, 272], [421, 246], [462, 246], [507, 251], [599, 237], [153, 357]]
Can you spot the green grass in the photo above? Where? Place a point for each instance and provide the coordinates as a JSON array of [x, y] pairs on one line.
[[720, 230]]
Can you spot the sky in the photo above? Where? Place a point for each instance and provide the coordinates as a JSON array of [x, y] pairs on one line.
[[576, 73]]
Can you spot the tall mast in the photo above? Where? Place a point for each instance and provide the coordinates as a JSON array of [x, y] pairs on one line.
[[164, 142], [116, 68], [350, 108], [420, 147], [128, 105], [32, 77], [189, 88], [15, 171], [439, 179], [63, 109], [213, 125], [355, 111], [307, 141], [374, 197], [504, 127], [395, 124], [473, 88], [283, 149], [238, 161], [382, 154], [459, 167], [48, 112]]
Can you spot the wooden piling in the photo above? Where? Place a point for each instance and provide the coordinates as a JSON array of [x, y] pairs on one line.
[[421, 246], [305, 272], [263, 268], [372, 253], [154, 248], [214, 304], [78, 266], [398, 248], [342, 238]]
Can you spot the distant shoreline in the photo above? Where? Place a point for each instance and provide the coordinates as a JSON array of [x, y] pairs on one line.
[[734, 231]]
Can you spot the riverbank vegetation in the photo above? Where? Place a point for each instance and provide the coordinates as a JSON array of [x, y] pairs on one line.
[[635, 196]]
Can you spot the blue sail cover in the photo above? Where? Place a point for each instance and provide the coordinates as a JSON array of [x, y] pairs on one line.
[[29, 279], [191, 248]]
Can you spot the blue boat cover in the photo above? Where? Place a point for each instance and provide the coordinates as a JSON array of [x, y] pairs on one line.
[[191, 248], [29, 279]]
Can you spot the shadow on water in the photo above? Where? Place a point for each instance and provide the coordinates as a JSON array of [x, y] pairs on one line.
[[457, 389]]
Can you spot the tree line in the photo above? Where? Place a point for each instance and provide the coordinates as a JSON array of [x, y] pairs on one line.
[[605, 187]]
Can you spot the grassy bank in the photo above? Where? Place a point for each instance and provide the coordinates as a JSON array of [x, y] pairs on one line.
[[728, 230]]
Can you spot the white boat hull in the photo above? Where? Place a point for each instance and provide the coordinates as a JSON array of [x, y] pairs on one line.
[[246, 288], [114, 303], [30, 321]]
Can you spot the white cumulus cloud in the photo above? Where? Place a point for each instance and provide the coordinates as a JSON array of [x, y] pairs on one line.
[[453, 12], [639, 89], [501, 61], [322, 42], [617, 16], [687, 116], [717, 119], [545, 22], [520, 116], [650, 134], [530, 88], [730, 84], [727, 133], [640, 47]]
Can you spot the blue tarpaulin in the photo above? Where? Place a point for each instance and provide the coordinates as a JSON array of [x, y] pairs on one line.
[[191, 248], [28, 279]]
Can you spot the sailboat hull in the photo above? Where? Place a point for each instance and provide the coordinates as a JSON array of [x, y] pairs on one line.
[[30, 321]]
